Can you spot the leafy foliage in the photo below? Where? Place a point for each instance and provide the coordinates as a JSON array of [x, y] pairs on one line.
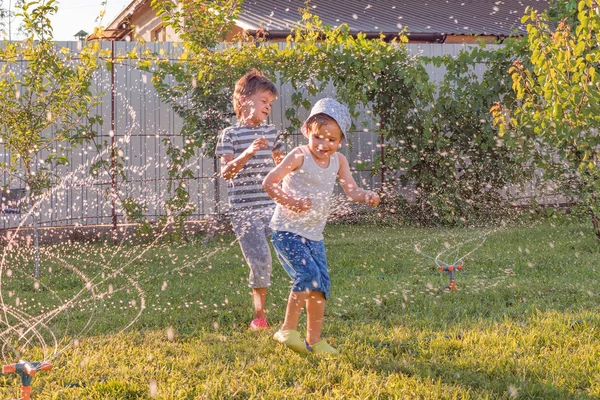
[[439, 142], [46, 107], [563, 10], [198, 88], [559, 101], [201, 25], [6, 16], [452, 151], [3, 14]]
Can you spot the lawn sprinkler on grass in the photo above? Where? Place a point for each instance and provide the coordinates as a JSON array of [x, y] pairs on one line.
[[451, 270], [450, 259], [26, 371]]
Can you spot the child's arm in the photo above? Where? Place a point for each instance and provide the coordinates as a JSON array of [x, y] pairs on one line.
[[230, 166], [351, 188], [290, 163], [278, 157]]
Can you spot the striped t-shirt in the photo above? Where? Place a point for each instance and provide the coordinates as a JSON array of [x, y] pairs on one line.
[[244, 190]]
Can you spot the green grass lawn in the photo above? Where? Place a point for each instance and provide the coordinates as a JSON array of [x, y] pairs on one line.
[[169, 321]]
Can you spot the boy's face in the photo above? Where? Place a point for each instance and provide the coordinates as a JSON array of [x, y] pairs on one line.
[[325, 141], [256, 108]]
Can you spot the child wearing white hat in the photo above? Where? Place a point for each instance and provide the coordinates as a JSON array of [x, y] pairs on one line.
[[309, 174]]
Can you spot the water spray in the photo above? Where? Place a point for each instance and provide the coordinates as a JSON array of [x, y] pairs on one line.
[[455, 253], [26, 370]]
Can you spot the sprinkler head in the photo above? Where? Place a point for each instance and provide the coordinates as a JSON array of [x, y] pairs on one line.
[[26, 371]]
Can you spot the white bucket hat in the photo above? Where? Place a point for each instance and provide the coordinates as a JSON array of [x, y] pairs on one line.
[[333, 109]]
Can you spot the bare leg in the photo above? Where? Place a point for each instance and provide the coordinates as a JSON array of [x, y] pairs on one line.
[[315, 311], [295, 304], [259, 297]]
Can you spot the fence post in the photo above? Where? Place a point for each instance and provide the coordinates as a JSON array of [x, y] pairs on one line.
[[382, 168], [36, 239], [217, 187], [113, 163]]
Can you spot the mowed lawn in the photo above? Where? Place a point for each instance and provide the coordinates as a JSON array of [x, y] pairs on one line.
[[169, 320]]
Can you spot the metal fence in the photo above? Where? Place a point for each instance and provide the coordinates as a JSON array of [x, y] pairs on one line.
[[138, 123]]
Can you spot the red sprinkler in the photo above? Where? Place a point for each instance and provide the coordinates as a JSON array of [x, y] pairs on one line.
[[451, 269], [26, 371]]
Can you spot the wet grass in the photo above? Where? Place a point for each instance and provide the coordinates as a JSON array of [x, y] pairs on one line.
[[523, 323]]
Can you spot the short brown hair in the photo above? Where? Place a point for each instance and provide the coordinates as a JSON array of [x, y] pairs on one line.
[[253, 82]]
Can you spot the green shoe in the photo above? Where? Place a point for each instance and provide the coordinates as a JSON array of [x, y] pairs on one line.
[[321, 347], [291, 339]]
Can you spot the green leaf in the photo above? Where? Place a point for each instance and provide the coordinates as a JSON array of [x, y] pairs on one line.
[[579, 49]]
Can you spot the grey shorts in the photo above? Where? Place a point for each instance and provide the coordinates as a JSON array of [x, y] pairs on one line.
[[252, 231]]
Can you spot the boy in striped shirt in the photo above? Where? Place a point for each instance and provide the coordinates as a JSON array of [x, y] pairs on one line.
[[249, 150]]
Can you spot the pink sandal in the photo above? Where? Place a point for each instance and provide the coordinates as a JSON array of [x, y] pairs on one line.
[[258, 324]]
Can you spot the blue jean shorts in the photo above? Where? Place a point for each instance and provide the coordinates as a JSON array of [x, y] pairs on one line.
[[304, 260]]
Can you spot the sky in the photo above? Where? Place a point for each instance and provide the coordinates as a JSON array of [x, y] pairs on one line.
[[75, 15]]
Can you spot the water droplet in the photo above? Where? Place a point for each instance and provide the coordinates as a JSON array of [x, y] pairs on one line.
[[153, 388]]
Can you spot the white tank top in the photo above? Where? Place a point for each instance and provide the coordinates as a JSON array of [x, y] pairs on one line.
[[313, 182]]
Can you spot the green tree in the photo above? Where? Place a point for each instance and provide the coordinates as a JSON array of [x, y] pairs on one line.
[[563, 10], [47, 101], [453, 151], [201, 25], [7, 16], [3, 14], [559, 102]]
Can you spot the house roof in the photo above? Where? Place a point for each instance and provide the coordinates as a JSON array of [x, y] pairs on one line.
[[423, 18], [452, 17], [126, 13]]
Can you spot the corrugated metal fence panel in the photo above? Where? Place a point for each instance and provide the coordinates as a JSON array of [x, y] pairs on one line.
[[143, 121]]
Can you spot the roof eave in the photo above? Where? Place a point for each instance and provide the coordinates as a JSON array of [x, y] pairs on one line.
[[126, 13], [387, 36]]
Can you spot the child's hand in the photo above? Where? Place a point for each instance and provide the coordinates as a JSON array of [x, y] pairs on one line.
[[258, 144], [303, 205], [371, 198]]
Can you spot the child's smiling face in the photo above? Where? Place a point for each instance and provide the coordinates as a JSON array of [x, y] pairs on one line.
[[325, 141], [256, 108]]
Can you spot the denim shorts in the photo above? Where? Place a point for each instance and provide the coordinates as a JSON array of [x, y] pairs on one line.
[[304, 260]]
